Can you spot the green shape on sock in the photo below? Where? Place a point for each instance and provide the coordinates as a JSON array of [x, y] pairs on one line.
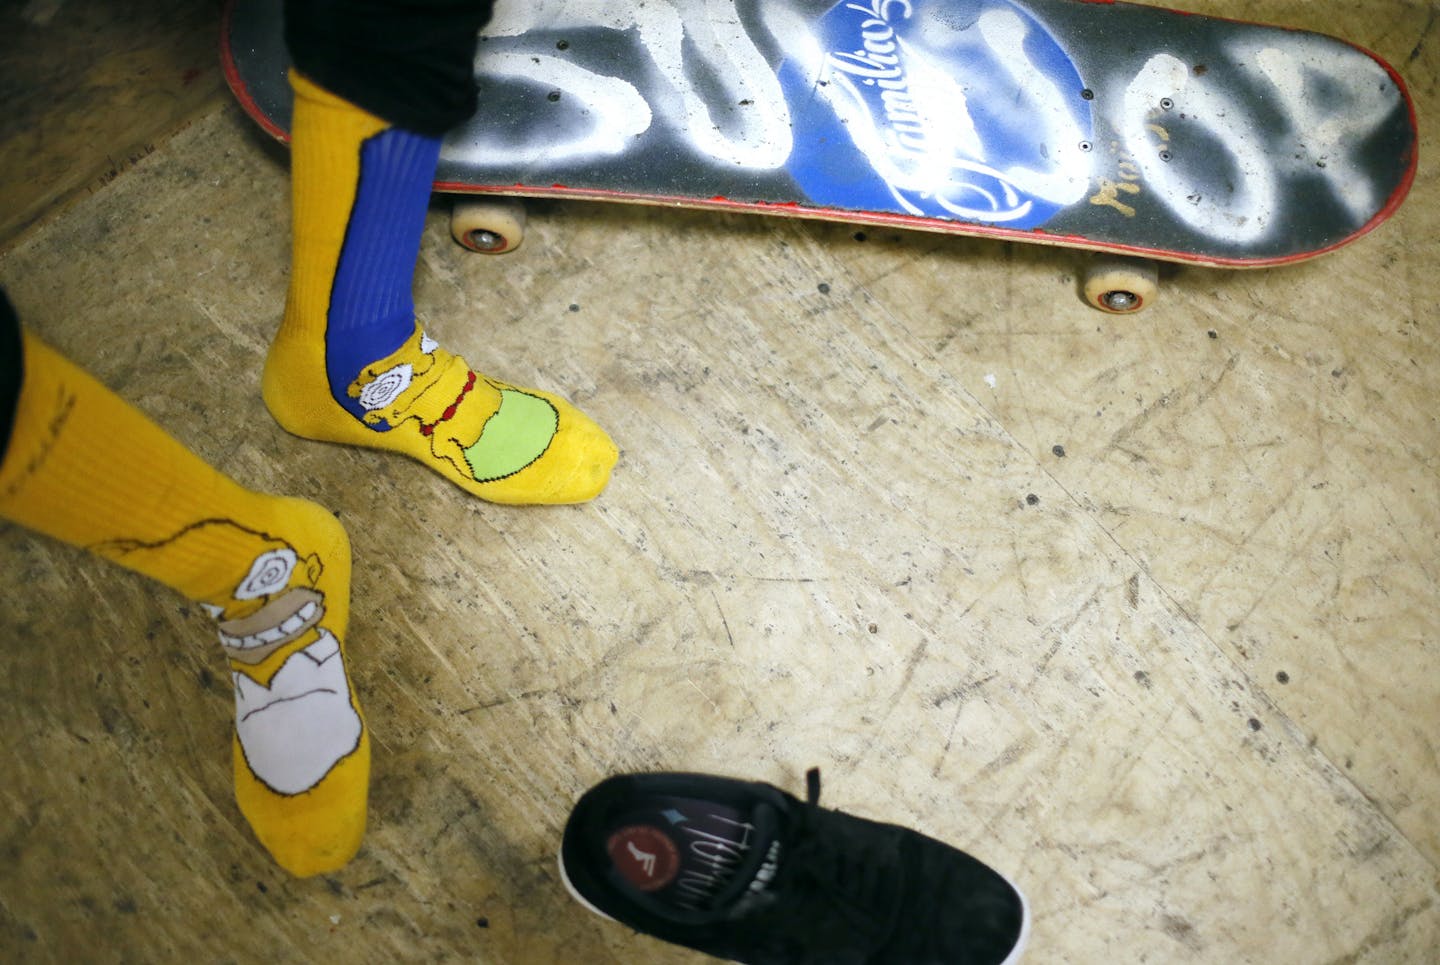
[[515, 436]]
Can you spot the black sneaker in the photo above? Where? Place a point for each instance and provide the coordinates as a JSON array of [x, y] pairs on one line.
[[744, 871]]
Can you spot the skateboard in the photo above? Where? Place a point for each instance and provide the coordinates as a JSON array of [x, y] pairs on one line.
[[1129, 130]]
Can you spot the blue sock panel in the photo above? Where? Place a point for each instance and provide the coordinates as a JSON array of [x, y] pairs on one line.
[[372, 310]]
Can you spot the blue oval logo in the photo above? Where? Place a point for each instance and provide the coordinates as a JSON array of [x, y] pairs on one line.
[[965, 110]]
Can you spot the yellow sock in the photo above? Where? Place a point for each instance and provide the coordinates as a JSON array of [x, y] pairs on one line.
[[86, 468], [351, 364]]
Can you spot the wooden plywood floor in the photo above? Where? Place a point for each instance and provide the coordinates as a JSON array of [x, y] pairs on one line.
[[89, 88], [1141, 611]]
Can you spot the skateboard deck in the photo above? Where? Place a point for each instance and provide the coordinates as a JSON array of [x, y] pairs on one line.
[[1087, 123]]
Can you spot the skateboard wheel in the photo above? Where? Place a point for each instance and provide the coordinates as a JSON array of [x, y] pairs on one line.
[[491, 226], [1121, 286]]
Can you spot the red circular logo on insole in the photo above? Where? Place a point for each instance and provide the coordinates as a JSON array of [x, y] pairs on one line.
[[645, 856]]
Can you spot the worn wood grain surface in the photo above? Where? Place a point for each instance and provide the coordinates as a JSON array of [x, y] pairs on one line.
[[1142, 611]]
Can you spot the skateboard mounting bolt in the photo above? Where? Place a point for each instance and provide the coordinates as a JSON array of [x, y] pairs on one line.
[[1086, 146], [1120, 301], [486, 241], [1167, 104], [1166, 155], [1087, 94]]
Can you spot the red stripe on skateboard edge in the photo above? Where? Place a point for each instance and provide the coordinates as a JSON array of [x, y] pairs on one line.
[[237, 83], [792, 209]]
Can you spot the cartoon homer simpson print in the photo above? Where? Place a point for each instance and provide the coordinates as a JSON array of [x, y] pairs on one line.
[[295, 715]]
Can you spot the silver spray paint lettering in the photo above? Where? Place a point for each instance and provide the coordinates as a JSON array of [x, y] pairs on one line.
[[1317, 142], [673, 41]]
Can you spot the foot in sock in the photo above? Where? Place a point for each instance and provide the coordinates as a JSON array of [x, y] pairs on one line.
[[300, 748], [351, 364], [502, 443], [86, 468]]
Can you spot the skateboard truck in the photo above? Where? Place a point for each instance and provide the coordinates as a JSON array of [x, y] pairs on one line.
[[1116, 285]]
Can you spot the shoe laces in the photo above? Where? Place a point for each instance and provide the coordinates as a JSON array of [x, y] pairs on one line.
[[843, 886]]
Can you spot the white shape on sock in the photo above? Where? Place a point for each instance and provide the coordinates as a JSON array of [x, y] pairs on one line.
[[386, 387], [294, 731], [269, 573]]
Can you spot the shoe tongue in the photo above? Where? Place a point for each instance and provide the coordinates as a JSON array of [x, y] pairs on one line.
[[694, 856]]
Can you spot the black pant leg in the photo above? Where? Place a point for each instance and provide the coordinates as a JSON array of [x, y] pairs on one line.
[[12, 370], [409, 62]]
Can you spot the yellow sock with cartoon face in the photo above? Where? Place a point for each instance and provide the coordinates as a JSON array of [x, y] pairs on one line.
[[85, 467], [351, 364]]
